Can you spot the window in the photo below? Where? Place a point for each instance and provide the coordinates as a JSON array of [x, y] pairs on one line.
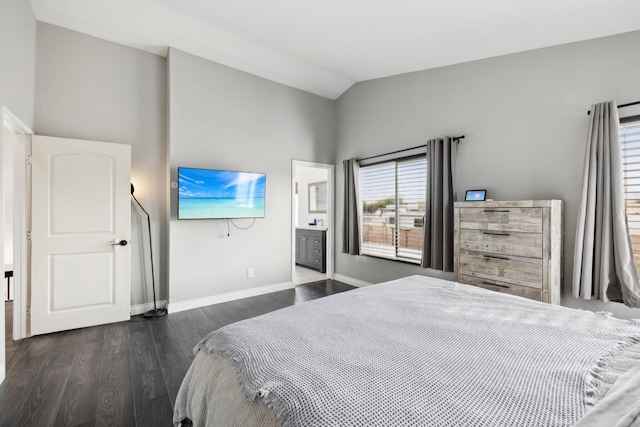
[[392, 202], [630, 141]]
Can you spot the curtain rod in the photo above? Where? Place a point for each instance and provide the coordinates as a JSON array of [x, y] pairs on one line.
[[620, 106], [454, 138], [393, 152]]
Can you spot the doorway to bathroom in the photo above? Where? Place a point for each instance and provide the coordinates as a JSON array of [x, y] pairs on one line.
[[312, 222]]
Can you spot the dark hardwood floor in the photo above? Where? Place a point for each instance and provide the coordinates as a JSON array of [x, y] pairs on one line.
[[122, 374]]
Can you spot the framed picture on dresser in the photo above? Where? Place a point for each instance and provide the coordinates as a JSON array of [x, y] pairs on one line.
[[475, 195]]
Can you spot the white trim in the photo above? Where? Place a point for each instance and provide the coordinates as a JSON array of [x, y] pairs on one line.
[[351, 281], [20, 130], [21, 250], [230, 296], [330, 168], [21, 218], [14, 123], [143, 308]]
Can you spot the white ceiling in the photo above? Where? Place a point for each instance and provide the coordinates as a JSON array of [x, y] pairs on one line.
[[325, 46]]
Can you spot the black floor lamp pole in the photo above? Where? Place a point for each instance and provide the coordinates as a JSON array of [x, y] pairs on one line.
[[156, 312]]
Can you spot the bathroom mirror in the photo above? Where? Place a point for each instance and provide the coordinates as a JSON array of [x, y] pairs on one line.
[[318, 197]]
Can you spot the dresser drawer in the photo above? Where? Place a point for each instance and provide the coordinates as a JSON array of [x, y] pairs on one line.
[[502, 242], [516, 270], [496, 285], [501, 219]]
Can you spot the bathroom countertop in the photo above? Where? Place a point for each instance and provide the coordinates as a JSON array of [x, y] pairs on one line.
[[311, 227]]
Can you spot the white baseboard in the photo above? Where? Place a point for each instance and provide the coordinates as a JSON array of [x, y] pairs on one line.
[[351, 281], [230, 296], [143, 308]]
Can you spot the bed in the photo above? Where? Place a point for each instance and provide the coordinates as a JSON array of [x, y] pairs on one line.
[[417, 351]]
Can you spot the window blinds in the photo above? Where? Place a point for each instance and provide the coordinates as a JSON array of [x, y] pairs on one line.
[[630, 142], [392, 203]]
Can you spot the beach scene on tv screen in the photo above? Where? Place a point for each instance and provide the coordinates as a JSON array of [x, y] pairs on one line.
[[205, 193]]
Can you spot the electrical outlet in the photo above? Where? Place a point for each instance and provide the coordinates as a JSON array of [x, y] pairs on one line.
[[249, 272]]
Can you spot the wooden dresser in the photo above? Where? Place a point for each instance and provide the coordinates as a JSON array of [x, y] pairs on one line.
[[510, 246]]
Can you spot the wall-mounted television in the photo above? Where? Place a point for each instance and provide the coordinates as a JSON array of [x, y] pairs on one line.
[[215, 194]]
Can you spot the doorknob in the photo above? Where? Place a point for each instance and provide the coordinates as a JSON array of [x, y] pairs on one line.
[[120, 243]]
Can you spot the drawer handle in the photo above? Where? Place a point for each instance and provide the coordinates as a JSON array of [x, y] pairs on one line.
[[304, 238], [495, 284], [316, 251], [316, 241], [497, 210], [496, 257], [497, 233]]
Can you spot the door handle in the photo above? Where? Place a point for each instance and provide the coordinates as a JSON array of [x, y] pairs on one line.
[[120, 243]]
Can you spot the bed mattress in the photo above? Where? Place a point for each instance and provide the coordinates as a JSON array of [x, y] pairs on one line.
[[216, 391]]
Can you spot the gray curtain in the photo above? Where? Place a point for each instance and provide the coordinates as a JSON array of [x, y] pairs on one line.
[[437, 251], [603, 265], [350, 219]]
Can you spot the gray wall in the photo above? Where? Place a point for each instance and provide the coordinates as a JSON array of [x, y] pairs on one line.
[[222, 118], [524, 117], [87, 88], [17, 66]]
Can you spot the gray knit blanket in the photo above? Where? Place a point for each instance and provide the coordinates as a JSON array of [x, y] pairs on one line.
[[423, 352]]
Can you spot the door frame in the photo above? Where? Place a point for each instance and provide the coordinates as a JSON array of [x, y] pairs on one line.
[[20, 223], [20, 226], [330, 168]]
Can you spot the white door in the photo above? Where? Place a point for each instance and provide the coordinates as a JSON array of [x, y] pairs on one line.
[[81, 224]]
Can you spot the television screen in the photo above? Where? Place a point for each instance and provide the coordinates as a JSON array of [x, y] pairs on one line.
[[207, 193]]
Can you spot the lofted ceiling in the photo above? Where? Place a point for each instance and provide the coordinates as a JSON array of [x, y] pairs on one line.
[[325, 46]]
